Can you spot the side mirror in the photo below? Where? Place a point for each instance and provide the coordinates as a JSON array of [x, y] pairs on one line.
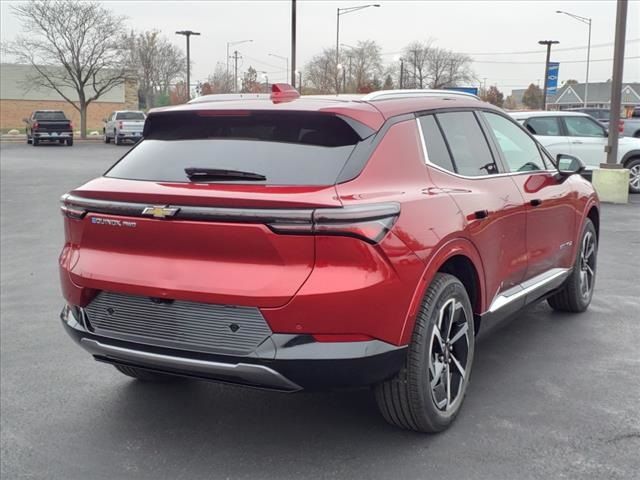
[[568, 165]]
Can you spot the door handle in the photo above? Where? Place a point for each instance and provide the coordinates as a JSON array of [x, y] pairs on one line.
[[481, 214], [535, 202]]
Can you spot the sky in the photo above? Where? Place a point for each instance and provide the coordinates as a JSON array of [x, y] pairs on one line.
[[493, 33]]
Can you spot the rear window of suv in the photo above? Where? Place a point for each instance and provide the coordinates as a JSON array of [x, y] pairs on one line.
[[130, 116], [301, 148]]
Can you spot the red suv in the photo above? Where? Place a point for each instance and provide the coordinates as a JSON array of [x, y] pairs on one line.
[[291, 243]]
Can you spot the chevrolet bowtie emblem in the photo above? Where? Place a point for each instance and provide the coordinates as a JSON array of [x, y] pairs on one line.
[[160, 212]]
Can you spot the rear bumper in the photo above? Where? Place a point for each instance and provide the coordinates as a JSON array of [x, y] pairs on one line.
[[287, 363], [130, 135], [52, 135]]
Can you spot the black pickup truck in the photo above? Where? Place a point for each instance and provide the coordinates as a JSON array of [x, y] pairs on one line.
[[49, 126]]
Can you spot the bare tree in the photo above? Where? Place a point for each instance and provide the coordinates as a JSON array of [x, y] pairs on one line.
[[75, 48], [447, 69], [367, 64], [416, 59], [221, 81], [158, 64], [321, 72]]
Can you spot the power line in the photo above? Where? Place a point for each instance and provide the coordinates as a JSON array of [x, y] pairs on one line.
[[542, 63], [529, 52]]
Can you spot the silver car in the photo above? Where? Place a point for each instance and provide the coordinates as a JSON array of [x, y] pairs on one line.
[[124, 125]]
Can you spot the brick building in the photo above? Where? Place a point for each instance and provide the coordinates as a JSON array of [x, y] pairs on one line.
[[17, 100]]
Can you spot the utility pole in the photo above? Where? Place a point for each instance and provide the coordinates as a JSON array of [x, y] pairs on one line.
[[415, 69], [401, 73], [616, 83], [235, 71], [548, 43], [188, 33], [293, 43], [228, 56]]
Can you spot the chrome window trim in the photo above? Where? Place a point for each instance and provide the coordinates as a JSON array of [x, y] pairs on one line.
[[479, 177]]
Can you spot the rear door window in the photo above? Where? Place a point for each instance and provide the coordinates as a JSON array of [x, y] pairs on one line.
[[467, 144], [545, 126], [287, 148]]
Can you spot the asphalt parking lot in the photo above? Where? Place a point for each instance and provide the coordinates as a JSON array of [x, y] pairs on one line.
[[552, 395]]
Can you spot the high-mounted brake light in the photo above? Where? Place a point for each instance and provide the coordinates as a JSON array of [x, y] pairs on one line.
[[283, 92], [365, 222]]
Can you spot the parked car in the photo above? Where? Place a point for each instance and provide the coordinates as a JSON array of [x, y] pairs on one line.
[[575, 133], [632, 124], [123, 125], [600, 114], [310, 243], [48, 126]]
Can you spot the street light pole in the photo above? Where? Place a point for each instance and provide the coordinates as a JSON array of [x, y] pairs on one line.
[[344, 11], [586, 21], [293, 43], [188, 33], [548, 43]]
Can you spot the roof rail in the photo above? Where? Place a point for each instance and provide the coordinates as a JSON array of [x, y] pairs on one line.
[[225, 97], [390, 94]]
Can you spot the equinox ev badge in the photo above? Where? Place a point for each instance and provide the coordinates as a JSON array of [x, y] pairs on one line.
[[160, 211], [113, 222]]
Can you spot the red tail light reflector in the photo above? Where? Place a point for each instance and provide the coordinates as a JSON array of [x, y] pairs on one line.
[[342, 337]]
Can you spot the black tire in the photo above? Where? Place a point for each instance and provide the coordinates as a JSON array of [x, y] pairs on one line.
[[70, 142], [145, 375], [28, 140], [408, 399], [634, 175], [107, 139], [35, 142], [572, 297], [61, 141], [116, 140]]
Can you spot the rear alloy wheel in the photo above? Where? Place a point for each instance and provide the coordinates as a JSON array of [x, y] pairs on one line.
[[634, 175], [145, 375], [575, 295], [427, 393]]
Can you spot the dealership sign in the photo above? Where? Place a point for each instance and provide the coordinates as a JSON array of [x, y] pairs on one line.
[[552, 78]]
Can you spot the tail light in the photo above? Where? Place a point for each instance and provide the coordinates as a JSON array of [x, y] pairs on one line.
[[71, 125], [366, 222], [36, 125], [621, 126], [120, 124], [70, 210]]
